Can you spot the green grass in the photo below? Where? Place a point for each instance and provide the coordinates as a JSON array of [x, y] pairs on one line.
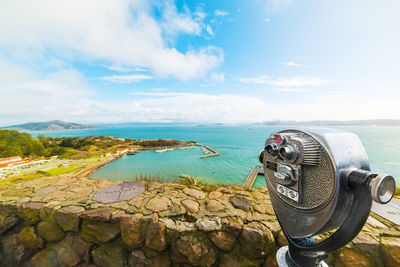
[[21, 178], [62, 170], [397, 191]]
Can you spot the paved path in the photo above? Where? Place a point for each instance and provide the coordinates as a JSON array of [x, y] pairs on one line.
[[390, 211], [251, 178]]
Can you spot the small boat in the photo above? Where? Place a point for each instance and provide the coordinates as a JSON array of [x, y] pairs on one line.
[[205, 150], [164, 150]]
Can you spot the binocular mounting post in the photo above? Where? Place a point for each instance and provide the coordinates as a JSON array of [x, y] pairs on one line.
[[305, 252]]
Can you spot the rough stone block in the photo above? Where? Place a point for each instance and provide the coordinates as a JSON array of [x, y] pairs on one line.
[[138, 259], [99, 232], [391, 250], [100, 215], [190, 205], [50, 231], [239, 202], [223, 240], [69, 217], [158, 204], [256, 241], [353, 257], [7, 219], [194, 193], [30, 212], [110, 254], [209, 224], [156, 237], [213, 205], [13, 251], [197, 250], [132, 230], [29, 238]]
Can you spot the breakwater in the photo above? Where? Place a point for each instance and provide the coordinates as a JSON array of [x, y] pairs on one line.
[[54, 221], [214, 152]]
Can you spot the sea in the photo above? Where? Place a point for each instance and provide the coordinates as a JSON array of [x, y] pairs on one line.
[[239, 146]]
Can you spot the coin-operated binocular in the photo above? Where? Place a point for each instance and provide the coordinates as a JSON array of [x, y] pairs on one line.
[[319, 181]]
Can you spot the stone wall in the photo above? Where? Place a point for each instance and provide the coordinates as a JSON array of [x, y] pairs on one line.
[[53, 221]]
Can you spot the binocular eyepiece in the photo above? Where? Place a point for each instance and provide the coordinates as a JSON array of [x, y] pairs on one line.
[[320, 180], [381, 186]]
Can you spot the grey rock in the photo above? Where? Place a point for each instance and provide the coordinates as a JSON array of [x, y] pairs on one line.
[[180, 226], [240, 202], [209, 224], [7, 220]]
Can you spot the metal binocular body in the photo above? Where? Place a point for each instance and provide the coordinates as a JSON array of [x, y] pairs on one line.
[[320, 180]]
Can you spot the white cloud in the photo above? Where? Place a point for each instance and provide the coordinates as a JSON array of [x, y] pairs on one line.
[[65, 95], [277, 5], [267, 20], [175, 23], [16, 81], [122, 33], [161, 94], [126, 78], [291, 64], [294, 81], [27, 96], [125, 69], [293, 90], [209, 30], [218, 77], [338, 94], [219, 12]]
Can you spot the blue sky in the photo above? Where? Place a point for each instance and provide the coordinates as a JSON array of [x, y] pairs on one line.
[[199, 61]]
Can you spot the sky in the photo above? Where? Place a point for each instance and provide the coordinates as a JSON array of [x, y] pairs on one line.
[[226, 61]]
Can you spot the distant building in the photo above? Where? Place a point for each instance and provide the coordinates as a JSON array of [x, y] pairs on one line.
[[4, 166], [21, 164], [122, 151], [10, 159], [16, 163]]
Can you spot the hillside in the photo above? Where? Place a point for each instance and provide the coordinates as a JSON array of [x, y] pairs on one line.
[[14, 143], [48, 126]]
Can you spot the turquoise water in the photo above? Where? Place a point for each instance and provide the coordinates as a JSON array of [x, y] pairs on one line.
[[239, 146]]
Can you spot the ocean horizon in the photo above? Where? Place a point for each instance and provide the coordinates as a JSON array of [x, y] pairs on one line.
[[239, 146]]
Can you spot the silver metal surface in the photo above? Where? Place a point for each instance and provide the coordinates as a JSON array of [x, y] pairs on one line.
[[281, 258], [340, 151], [287, 192], [382, 188]]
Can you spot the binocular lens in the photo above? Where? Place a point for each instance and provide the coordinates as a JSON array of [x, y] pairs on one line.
[[382, 188], [272, 149], [287, 153]]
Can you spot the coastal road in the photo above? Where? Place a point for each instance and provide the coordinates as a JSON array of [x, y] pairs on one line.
[[389, 211]]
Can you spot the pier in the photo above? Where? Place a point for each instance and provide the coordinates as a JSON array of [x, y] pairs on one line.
[[214, 152], [251, 178]]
